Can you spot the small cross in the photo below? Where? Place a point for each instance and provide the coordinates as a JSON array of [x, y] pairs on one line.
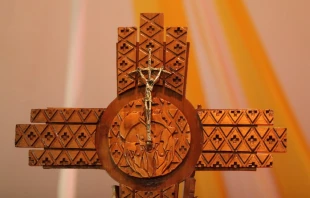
[[200, 164], [150, 28], [48, 136], [124, 47], [235, 112], [123, 63], [65, 136], [124, 30], [271, 139], [123, 81], [217, 164], [252, 165], [218, 112], [82, 136], [252, 139], [97, 161], [235, 165], [178, 47], [181, 119], [176, 80], [177, 63], [115, 124], [165, 119], [46, 161], [234, 139], [217, 138], [183, 149], [252, 112], [31, 135], [81, 162], [64, 161], [178, 30]]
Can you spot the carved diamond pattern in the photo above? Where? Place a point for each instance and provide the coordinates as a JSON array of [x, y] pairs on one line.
[[270, 140], [124, 64], [175, 64], [176, 32], [252, 139], [217, 138], [65, 135], [48, 136], [124, 81], [124, 47], [150, 29], [175, 80], [31, 135], [234, 139], [150, 44], [82, 136], [176, 47]]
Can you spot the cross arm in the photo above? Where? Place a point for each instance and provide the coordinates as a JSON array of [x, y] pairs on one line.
[[239, 139], [67, 137]]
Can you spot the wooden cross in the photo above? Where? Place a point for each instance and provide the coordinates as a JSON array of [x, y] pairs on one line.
[[183, 139]]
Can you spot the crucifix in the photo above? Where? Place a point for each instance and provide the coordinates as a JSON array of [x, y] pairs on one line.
[[149, 84], [150, 138]]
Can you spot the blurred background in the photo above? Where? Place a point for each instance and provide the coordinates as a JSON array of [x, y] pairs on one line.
[[244, 54]]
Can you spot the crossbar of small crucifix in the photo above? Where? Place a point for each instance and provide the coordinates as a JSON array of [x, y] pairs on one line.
[[149, 84]]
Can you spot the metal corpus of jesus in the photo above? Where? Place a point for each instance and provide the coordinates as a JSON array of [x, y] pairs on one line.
[[151, 138]]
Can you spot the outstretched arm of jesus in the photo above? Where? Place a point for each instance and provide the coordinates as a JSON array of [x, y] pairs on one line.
[[141, 74], [160, 70]]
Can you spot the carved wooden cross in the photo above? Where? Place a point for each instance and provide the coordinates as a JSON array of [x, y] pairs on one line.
[[184, 139]]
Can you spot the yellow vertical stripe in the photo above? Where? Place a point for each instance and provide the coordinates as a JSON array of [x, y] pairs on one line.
[[292, 170], [209, 184]]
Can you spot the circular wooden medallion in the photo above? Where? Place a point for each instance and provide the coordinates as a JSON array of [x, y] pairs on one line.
[[170, 139], [176, 140]]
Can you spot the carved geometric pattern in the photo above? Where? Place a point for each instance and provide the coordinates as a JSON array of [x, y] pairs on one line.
[[176, 58], [55, 136], [170, 135], [64, 159], [66, 115], [151, 36], [234, 161], [126, 57], [235, 117], [244, 139], [127, 192]]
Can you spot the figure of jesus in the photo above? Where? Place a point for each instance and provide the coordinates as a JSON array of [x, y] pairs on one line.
[[150, 81]]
